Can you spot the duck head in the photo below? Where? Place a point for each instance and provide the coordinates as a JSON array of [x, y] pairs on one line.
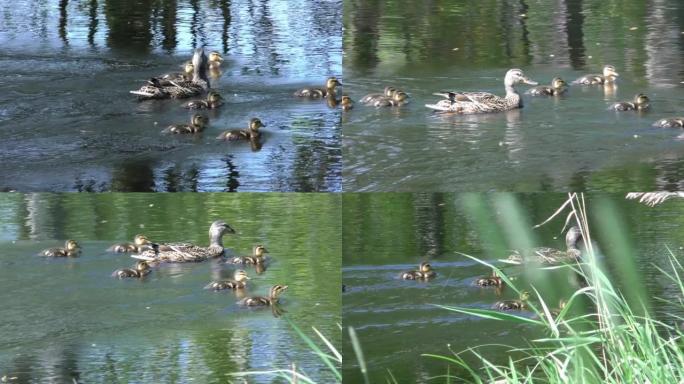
[[425, 267], [220, 227], [140, 240], [573, 236], [524, 296], [641, 100], [609, 72], [400, 96], [390, 91], [215, 57], [199, 120], [259, 250], [516, 76], [277, 290], [240, 276], [558, 83], [214, 97], [332, 82], [188, 68], [142, 266], [71, 246], [255, 124]]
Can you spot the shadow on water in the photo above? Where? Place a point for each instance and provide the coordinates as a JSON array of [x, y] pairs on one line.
[[385, 234], [67, 319], [556, 144], [71, 64]]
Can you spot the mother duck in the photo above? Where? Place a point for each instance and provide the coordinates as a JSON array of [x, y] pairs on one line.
[[187, 253], [157, 88], [483, 102]]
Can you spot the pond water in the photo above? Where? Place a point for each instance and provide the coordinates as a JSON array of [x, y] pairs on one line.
[[396, 320], [68, 122], [67, 318], [555, 144]]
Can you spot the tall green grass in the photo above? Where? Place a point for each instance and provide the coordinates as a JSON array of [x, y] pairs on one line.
[[330, 357], [610, 342]]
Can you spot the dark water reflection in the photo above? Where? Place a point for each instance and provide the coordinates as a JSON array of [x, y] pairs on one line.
[[64, 319], [384, 234], [67, 121], [554, 145]]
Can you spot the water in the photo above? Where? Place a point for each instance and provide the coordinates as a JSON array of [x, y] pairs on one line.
[[68, 123], [568, 143], [396, 320], [67, 318]]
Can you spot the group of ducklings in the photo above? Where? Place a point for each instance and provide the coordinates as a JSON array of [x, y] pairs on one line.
[[484, 102], [540, 255], [193, 82], [151, 254]]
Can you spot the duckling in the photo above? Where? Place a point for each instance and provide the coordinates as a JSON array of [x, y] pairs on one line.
[[239, 281], [346, 103], [608, 77], [561, 305], [271, 300], [71, 249], [185, 253], [398, 98], [387, 93], [640, 103], [186, 75], [197, 124], [508, 305], [424, 272], [558, 86], [213, 100], [257, 256], [215, 60], [138, 242], [673, 122], [243, 134], [316, 93], [490, 281], [141, 269]]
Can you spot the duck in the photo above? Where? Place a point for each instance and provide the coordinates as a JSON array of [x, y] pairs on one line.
[[141, 269], [239, 282], [347, 103], [545, 255], [424, 272], [215, 60], [672, 122], [139, 242], [509, 305], [557, 87], [490, 281], [197, 124], [388, 92], [252, 132], [608, 77], [213, 101], [272, 299], [187, 253], [71, 249], [398, 98], [639, 103], [467, 103], [316, 93], [257, 256], [167, 89]]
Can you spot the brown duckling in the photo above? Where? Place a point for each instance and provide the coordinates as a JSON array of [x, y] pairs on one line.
[[608, 77], [316, 93], [213, 100], [509, 305], [558, 86], [215, 60], [371, 97], [672, 122], [640, 103], [186, 75], [257, 256], [134, 247], [239, 282], [490, 281], [197, 123], [424, 272], [346, 103], [71, 249], [243, 134], [272, 299], [398, 98], [141, 269]]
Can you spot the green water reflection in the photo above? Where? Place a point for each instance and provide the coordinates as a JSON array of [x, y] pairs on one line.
[[384, 234], [65, 319]]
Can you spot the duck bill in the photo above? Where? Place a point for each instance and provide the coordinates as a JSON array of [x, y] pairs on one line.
[[529, 82]]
